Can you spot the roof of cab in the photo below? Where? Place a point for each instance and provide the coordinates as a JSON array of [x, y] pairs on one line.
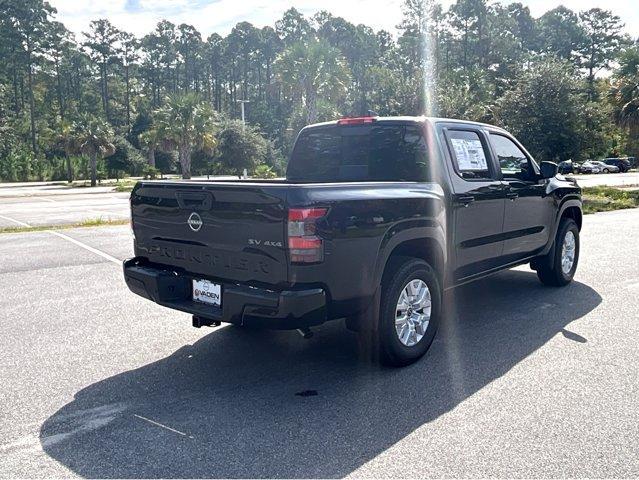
[[413, 119]]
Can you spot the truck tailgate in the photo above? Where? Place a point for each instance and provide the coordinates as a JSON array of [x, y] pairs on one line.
[[227, 231]]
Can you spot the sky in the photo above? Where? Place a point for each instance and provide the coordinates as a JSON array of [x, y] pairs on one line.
[[208, 16]]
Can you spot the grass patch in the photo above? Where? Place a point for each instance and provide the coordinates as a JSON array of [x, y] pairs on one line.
[[91, 222], [605, 199], [99, 221], [125, 186]]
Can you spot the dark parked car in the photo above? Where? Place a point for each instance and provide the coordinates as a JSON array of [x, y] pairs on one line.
[[377, 217], [621, 163], [566, 167]]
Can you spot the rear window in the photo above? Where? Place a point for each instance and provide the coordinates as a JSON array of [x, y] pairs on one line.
[[360, 153]]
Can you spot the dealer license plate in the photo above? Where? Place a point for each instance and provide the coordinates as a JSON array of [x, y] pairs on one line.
[[207, 292]]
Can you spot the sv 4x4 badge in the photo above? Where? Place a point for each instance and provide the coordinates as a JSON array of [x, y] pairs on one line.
[[266, 243]]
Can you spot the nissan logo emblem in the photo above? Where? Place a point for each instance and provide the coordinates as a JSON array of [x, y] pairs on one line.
[[195, 222]]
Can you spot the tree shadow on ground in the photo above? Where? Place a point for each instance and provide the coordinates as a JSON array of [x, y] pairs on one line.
[[231, 397]]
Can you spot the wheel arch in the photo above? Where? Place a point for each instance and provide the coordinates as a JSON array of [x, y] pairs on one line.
[[424, 248], [571, 208], [574, 212]]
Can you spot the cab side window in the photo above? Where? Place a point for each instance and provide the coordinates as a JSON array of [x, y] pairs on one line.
[[469, 155], [513, 161]]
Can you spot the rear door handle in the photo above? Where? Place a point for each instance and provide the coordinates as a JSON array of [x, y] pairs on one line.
[[465, 200]]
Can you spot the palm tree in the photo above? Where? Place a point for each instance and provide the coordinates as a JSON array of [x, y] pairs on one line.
[[94, 138], [66, 140], [185, 124], [151, 141], [312, 69]]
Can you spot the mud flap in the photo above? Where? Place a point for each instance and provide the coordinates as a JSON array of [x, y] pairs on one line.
[[367, 327]]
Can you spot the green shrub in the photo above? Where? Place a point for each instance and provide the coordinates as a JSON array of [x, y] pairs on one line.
[[264, 171], [150, 173], [240, 147], [20, 166], [126, 159], [166, 162]]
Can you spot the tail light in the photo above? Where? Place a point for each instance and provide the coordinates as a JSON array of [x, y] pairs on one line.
[[303, 243], [356, 120]]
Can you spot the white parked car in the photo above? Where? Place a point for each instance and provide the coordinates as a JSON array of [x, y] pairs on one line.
[[589, 167], [605, 168]]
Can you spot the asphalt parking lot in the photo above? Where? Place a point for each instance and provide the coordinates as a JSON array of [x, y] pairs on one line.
[[62, 208], [610, 179], [522, 380]]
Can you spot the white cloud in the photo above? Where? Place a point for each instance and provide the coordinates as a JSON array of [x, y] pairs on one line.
[[221, 15]]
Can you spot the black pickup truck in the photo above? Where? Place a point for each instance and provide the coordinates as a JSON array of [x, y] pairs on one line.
[[376, 218]]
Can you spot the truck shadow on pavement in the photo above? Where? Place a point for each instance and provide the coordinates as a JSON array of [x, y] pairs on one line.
[[227, 405]]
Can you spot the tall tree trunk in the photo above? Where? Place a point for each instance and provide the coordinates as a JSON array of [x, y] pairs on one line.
[[633, 139], [218, 93], [22, 100], [103, 90], [480, 39], [16, 104], [466, 45], [184, 153], [245, 78], [151, 157], [128, 97], [207, 83], [591, 77], [59, 85], [78, 88], [34, 145], [311, 105], [106, 92], [69, 169], [94, 168], [268, 71]]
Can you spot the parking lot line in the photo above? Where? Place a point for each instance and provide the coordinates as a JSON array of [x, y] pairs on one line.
[[86, 247], [72, 240], [9, 219]]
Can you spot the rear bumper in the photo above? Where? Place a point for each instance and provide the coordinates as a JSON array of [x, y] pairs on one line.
[[241, 304]]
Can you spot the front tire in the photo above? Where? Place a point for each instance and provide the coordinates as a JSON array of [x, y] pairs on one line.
[[606, 170], [410, 310], [558, 268]]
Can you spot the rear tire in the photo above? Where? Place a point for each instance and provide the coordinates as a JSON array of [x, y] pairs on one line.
[[606, 170], [558, 268], [409, 314]]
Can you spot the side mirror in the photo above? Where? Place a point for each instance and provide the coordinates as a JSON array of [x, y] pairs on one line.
[[548, 169]]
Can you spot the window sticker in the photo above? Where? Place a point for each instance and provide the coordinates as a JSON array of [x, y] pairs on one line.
[[470, 154]]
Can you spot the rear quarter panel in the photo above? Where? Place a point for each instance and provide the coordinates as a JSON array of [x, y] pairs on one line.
[[364, 223]]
